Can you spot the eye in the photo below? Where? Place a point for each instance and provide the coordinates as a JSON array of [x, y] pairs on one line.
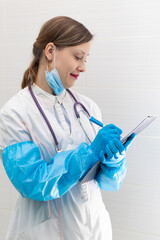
[[77, 58]]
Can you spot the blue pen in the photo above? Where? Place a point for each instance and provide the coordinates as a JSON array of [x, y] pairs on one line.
[[92, 119]]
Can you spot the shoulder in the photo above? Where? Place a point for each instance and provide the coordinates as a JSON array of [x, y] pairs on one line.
[[16, 103], [12, 117]]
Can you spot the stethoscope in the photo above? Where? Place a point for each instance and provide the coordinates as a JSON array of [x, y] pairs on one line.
[[76, 104]]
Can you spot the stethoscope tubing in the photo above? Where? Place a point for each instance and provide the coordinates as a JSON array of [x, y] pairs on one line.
[[92, 119], [77, 103], [46, 119]]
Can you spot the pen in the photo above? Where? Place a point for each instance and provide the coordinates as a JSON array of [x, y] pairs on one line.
[[97, 122], [92, 119]]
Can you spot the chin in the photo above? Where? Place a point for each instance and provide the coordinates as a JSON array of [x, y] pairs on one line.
[[69, 85]]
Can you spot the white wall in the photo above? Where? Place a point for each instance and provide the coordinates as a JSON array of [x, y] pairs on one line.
[[123, 77]]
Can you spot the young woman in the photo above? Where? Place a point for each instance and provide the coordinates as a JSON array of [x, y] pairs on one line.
[[48, 143]]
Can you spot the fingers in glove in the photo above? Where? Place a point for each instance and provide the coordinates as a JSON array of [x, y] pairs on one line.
[[112, 126], [113, 149], [120, 146], [108, 153], [111, 136], [108, 135]]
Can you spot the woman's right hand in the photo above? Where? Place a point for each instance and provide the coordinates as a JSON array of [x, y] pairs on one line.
[[106, 134]]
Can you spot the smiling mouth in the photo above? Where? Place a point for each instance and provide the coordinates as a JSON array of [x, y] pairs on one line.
[[74, 75]]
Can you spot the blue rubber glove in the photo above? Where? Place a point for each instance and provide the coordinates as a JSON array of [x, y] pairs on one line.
[[105, 134], [113, 166], [110, 178], [115, 151]]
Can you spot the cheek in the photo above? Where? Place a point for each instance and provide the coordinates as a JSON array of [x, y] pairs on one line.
[[71, 67], [65, 67], [69, 64], [67, 71]]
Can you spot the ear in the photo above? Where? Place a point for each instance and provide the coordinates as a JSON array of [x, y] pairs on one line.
[[49, 51]]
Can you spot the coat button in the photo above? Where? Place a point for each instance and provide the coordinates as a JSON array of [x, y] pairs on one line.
[[70, 141], [85, 198]]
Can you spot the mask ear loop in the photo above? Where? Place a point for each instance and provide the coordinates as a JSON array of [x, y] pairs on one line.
[[47, 64], [54, 58]]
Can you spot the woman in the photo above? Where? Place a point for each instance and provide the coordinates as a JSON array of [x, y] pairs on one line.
[[45, 150]]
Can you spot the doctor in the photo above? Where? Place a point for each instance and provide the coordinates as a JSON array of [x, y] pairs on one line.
[[46, 150]]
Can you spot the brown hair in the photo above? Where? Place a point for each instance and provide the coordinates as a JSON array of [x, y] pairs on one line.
[[63, 32]]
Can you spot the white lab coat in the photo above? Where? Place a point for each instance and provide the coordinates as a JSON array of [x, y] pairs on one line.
[[79, 214]]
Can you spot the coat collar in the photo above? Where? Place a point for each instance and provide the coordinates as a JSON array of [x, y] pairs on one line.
[[39, 92]]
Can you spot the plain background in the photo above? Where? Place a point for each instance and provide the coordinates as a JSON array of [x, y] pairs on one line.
[[122, 77]]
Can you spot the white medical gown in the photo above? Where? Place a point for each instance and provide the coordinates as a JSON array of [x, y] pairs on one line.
[[80, 213]]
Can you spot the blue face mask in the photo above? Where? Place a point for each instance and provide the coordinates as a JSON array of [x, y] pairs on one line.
[[53, 78], [54, 81]]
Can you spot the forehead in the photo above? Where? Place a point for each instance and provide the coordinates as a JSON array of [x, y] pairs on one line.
[[82, 48]]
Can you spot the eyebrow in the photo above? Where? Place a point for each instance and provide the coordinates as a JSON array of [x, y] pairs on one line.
[[82, 52]]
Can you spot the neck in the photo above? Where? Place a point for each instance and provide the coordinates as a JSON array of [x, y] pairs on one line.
[[41, 80]]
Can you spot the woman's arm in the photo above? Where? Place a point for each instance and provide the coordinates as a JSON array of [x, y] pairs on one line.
[[37, 179], [32, 176]]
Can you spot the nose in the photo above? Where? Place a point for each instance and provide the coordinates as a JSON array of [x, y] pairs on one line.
[[82, 67]]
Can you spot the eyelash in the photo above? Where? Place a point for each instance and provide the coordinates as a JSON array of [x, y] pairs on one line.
[[79, 59]]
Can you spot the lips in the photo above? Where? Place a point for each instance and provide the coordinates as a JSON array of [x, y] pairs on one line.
[[74, 75]]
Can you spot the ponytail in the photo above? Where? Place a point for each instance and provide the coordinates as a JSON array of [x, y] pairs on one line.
[[31, 73]]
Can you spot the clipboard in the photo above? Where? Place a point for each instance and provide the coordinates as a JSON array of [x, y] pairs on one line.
[[91, 174]]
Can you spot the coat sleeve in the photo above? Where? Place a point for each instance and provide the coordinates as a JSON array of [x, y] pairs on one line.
[[31, 175]]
